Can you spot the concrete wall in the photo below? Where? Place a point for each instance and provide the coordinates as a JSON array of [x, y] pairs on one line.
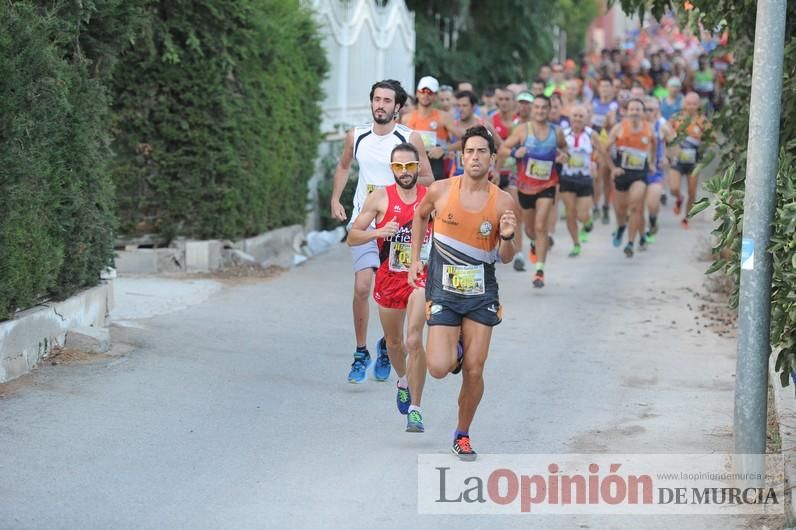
[[31, 335]]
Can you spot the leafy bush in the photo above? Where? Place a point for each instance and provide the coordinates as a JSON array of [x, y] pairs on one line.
[[216, 118], [55, 196]]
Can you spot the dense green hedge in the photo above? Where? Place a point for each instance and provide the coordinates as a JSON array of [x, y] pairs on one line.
[[55, 195], [216, 118]]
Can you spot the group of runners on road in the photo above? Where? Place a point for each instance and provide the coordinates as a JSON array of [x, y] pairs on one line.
[[448, 186]]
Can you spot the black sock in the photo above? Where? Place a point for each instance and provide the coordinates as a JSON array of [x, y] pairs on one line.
[[620, 230], [362, 349], [653, 220]]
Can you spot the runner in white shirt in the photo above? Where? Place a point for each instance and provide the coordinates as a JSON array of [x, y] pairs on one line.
[[371, 146]]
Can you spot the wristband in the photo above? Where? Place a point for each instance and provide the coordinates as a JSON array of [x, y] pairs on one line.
[[504, 238], [514, 152]]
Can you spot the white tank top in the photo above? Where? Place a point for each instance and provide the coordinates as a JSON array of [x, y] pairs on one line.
[[372, 153], [580, 152]]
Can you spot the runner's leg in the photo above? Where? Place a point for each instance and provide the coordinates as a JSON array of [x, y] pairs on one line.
[[363, 284], [441, 349], [476, 338], [416, 360], [392, 322]]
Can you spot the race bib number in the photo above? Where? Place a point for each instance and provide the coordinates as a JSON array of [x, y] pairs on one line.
[[429, 138], [578, 161], [539, 169], [633, 159], [401, 255], [687, 155], [467, 280], [372, 187]]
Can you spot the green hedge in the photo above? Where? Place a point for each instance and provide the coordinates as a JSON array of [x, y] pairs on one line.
[[55, 196], [216, 118]]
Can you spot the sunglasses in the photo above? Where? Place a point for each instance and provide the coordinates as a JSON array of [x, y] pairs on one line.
[[427, 91], [405, 167]]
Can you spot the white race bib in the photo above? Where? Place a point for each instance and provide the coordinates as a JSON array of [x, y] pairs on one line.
[[539, 169], [687, 155], [401, 255], [599, 120], [633, 159], [467, 280], [578, 161], [429, 138]]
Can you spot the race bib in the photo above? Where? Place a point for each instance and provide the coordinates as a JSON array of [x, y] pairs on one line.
[[401, 255], [687, 155], [578, 161], [429, 138], [599, 120], [539, 169], [372, 187], [633, 159], [466, 280]]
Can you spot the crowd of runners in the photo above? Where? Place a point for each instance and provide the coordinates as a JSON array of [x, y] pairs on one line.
[[450, 183]]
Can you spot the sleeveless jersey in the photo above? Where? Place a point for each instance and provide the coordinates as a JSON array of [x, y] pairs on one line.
[[578, 166], [462, 262], [632, 149], [704, 82], [668, 110], [504, 130], [429, 128], [537, 171], [660, 145], [694, 128], [395, 251], [600, 113], [372, 153]]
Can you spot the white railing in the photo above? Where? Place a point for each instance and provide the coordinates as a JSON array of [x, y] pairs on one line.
[[365, 42]]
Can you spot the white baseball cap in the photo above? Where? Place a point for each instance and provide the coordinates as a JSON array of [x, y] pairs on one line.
[[429, 83]]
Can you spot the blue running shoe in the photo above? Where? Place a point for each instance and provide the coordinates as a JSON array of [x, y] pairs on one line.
[[414, 422], [403, 400], [381, 371], [617, 238], [459, 357], [359, 368]]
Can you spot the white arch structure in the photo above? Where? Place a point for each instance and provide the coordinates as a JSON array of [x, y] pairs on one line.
[[364, 42]]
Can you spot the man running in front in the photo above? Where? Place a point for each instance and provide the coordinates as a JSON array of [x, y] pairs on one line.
[[474, 226], [392, 208]]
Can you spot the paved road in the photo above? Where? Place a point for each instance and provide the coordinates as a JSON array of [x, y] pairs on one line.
[[235, 413]]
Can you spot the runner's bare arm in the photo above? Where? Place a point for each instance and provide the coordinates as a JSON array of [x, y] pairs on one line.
[[511, 142], [597, 144], [508, 226], [341, 176], [449, 123], [653, 150], [426, 177], [609, 143], [373, 209], [563, 148], [419, 226]]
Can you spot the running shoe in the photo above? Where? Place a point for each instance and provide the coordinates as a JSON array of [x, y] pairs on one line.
[[575, 252], [617, 238], [629, 250], [538, 279], [650, 237], [606, 216], [583, 236], [519, 264], [532, 254], [359, 368], [414, 422], [588, 225], [678, 205], [381, 370], [459, 357], [642, 243], [403, 400], [684, 223], [462, 449]]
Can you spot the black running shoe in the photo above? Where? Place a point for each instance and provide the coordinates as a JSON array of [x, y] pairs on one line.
[[462, 449]]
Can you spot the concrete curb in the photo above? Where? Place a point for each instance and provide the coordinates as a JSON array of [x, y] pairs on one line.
[[785, 408], [31, 335]]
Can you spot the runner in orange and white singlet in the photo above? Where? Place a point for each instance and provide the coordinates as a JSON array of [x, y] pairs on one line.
[[635, 145], [433, 126], [474, 226], [393, 209]]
